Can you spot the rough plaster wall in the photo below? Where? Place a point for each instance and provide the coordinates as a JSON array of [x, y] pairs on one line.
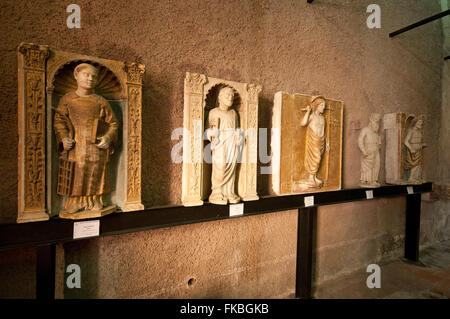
[[285, 45]]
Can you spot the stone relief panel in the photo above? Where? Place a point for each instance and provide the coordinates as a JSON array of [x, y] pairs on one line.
[[307, 144], [220, 142], [79, 134]]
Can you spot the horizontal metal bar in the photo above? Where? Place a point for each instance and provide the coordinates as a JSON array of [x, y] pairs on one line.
[[61, 230], [418, 24]]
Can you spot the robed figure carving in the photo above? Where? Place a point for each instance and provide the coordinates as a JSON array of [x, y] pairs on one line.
[[315, 142], [226, 142], [414, 150], [369, 143], [86, 131]]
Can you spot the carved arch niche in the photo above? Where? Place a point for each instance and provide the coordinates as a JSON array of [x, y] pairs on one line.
[[200, 93], [45, 75]]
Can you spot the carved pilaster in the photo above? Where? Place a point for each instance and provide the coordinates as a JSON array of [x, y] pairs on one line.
[[193, 146], [253, 91], [135, 74], [31, 117]]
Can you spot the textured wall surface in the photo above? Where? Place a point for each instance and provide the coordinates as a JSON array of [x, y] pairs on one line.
[[322, 48]]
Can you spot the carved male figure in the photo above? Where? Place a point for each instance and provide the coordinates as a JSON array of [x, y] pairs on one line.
[[86, 131], [414, 148], [226, 140], [315, 140], [369, 143]]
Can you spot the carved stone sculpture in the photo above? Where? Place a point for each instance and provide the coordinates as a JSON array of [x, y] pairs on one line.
[[226, 141], [306, 143], [48, 96], [231, 136], [86, 131], [315, 142], [404, 148], [414, 149], [369, 143]]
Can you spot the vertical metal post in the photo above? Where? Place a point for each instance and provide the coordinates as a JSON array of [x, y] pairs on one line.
[[304, 252], [45, 272], [412, 228]]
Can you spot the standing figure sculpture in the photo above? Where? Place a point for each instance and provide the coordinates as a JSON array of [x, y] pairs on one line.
[[414, 148], [86, 131], [369, 143], [226, 141], [315, 141]]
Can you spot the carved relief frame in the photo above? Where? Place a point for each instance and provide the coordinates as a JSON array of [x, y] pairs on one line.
[[38, 69], [195, 181]]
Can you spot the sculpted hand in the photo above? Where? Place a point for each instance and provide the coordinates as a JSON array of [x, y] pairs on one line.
[[212, 132], [68, 143], [104, 142], [308, 108]]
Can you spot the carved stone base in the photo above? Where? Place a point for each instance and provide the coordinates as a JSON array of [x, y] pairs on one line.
[[250, 198], [88, 213], [189, 203], [403, 182], [304, 187], [369, 185], [32, 216], [131, 207]]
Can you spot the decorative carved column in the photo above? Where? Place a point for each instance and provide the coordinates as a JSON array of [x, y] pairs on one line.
[[133, 146], [250, 194], [31, 120], [192, 140]]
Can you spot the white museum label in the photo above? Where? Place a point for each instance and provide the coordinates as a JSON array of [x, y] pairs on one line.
[[369, 194], [410, 190], [84, 229], [309, 201], [236, 209]]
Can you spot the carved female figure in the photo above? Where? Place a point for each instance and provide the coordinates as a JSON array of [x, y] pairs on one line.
[[226, 139], [86, 130]]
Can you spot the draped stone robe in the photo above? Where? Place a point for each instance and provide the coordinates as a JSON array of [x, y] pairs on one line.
[[370, 164], [315, 143], [413, 159], [85, 119], [225, 153]]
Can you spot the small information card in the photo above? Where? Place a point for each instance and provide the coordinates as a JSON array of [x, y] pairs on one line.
[[369, 194], [309, 201], [410, 190], [90, 228], [236, 209]]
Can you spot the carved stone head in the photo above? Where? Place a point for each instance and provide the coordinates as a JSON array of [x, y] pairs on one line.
[[318, 104], [86, 76], [375, 121], [226, 97]]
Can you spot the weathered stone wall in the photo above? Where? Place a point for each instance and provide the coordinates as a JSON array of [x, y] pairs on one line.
[[289, 45]]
